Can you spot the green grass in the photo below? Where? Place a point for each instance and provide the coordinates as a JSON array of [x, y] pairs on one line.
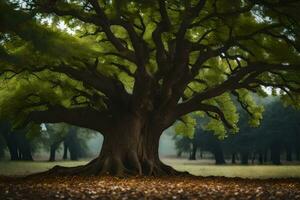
[[19, 168], [195, 167], [249, 171]]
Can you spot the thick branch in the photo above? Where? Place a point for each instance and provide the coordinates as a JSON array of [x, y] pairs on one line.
[[106, 85], [207, 108], [100, 20], [232, 83], [82, 116]]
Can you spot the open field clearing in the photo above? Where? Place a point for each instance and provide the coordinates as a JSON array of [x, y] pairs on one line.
[[194, 167]]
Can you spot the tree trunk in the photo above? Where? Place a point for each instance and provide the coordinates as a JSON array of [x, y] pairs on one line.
[[12, 146], [265, 156], [219, 155], [65, 156], [253, 158], [129, 148], [297, 154], [24, 148], [53, 148], [73, 144], [289, 153], [73, 153], [233, 159], [194, 151], [244, 158], [201, 154], [18, 146], [13, 151], [275, 153], [25, 153], [179, 153], [260, 158]]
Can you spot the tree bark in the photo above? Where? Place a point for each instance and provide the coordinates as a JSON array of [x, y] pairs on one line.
[[129, 148]]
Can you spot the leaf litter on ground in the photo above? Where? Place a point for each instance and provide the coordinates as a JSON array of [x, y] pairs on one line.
[[107, 187]]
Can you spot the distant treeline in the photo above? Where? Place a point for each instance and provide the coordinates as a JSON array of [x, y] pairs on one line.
[[21, 144], [275, 140]]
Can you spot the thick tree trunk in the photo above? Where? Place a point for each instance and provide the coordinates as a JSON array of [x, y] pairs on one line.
[[13, 151], [12, 147], [130, 148], [18, 146]]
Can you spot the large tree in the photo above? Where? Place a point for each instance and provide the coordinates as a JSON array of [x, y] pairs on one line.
[[130, 69]]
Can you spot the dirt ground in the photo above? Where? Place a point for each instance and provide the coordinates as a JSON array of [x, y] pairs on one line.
[[148, 188]]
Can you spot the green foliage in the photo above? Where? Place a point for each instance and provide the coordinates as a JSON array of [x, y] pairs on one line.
[[52, 134], [186, 126], [39, 42]]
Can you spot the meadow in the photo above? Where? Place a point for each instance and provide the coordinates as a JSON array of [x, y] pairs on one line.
[[199, 168]]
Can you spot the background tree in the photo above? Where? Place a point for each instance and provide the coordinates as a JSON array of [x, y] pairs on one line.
[[75, 143], [275, 138], [202, 140], [133, 68], [2, 147], [183, 145], [18, 142], [71, 137]]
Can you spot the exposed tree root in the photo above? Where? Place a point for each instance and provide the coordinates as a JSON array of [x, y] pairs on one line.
[[114, 166]]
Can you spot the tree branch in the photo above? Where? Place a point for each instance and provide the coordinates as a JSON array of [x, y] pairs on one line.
[[232, 83], [82, 116]]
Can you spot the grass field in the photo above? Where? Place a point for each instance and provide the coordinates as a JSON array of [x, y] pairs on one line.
[[195, 167]]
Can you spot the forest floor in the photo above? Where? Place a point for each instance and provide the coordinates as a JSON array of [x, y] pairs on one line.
[[262, 182], [148, 188]]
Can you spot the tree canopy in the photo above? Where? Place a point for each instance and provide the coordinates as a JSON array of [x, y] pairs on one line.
[[98, 63]]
